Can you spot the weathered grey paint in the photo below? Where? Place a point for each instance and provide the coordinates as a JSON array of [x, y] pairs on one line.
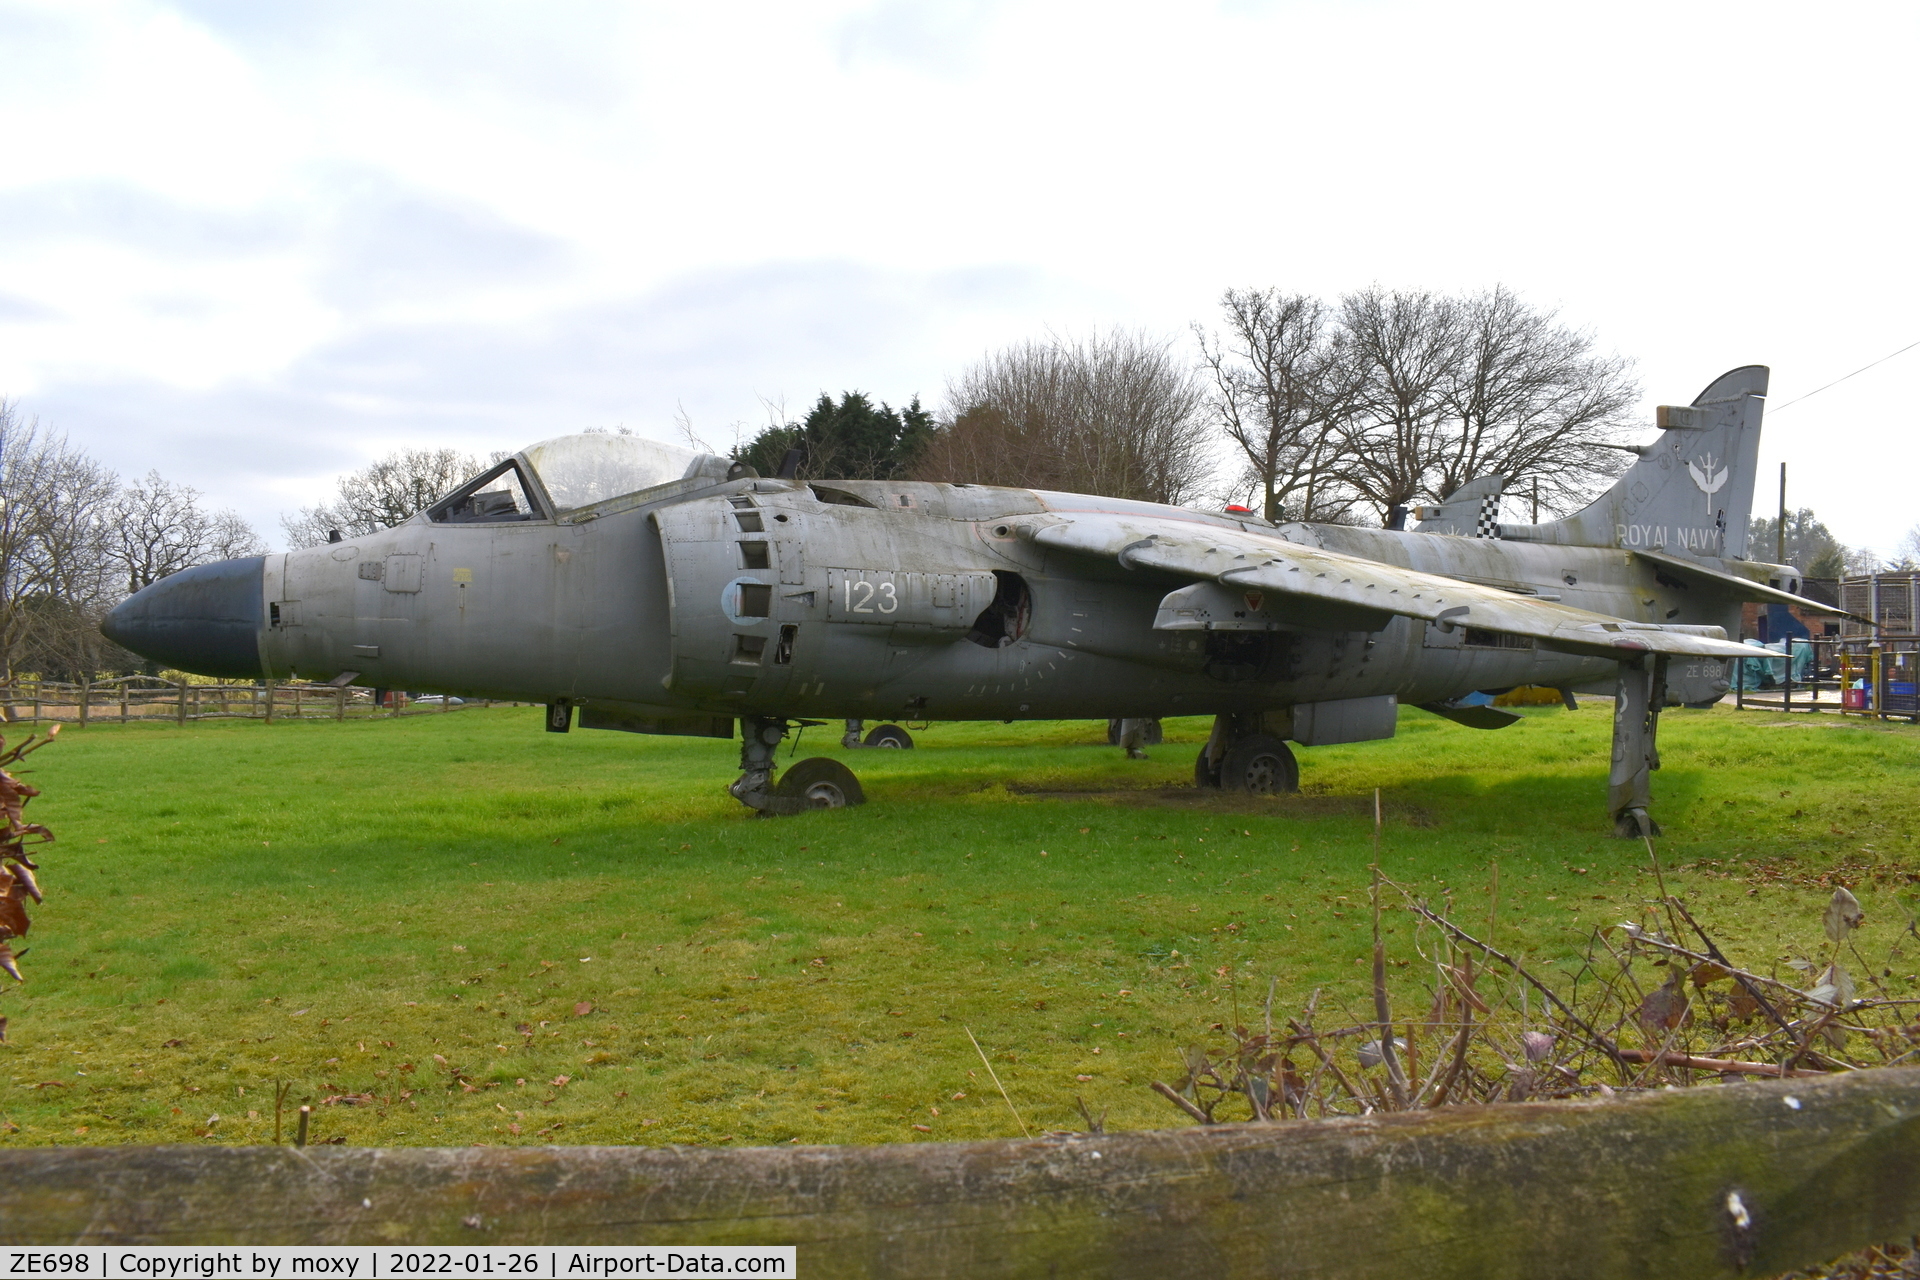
[[707, 598]]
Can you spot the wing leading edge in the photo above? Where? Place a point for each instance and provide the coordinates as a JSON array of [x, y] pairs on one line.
[[1354, 589]]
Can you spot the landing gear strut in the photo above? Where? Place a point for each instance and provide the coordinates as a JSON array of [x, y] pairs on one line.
[[1242, 756], [887, 735], [1637, 699], [814, 783]]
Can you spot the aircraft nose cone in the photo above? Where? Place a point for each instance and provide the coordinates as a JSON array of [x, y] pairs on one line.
[[205, 620]]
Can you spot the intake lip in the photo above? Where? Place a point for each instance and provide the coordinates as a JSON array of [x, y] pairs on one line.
[[206, 620]]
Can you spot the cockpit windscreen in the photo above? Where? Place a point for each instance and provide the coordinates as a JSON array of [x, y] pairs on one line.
[[495, 499], [580, 470]]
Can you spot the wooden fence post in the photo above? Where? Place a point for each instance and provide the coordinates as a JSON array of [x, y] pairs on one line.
[[123, 701], [86, 699], [181, 713], [271, 688]]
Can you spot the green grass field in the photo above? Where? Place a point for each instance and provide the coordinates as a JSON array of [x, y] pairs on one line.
[[462, 929]]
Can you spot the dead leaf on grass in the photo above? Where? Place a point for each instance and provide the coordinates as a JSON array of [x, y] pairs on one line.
[[1843, 915]]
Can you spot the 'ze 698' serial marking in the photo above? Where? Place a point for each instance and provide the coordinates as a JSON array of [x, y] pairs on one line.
[[49, 1264]]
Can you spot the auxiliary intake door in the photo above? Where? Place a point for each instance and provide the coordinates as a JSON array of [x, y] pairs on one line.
[[726, 596]]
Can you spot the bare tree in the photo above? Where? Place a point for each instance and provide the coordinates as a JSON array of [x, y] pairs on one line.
[[1279, 389], [1441, 389], [1402, 349], [1907, 551], [1115, 415], [55, 579], [382, 494], [158, 528], [1528, 398]]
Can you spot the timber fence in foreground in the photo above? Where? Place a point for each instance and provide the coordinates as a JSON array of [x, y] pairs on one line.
[[1750, 1179], [153, 698]]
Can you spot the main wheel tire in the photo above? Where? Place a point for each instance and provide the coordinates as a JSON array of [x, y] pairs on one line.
[[1205, 776], [891, 735], [823, 782], [1261, 764]]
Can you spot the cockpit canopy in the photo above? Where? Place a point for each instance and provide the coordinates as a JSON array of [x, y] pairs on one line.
[[557, 476]]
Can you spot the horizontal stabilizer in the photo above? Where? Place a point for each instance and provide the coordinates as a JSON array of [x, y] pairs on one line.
[[1471, 511], [1744, 588]]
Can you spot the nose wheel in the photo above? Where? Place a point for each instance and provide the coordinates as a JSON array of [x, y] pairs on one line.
[[1255, 762], [887, 735], [822, 783], [815, 783]]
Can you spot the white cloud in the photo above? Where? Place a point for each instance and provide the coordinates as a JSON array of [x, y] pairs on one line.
[[266, 241]]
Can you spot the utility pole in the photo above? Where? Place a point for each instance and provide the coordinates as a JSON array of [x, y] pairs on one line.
[[1780, 552]]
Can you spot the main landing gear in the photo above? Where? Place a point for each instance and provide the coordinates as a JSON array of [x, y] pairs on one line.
[[1637, 699], [818, 782], [886, 735], [1242, 756]]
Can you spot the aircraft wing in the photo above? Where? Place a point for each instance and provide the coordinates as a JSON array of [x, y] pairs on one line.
[[1354, 593]]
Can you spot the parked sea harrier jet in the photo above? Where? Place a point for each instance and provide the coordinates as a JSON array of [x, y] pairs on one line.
[[657, 591]]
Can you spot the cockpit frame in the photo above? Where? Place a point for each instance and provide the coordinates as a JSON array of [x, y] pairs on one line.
[[463, 505]]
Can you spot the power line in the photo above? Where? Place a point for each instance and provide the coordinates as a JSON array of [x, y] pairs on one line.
[[1837, 381]]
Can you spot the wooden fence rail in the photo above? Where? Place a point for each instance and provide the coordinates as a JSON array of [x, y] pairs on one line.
[[1746, 1179], [133, 698]]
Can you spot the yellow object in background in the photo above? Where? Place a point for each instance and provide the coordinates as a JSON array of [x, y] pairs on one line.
[[1528, 695]]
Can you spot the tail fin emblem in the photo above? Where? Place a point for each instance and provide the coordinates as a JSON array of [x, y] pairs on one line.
[[1706, 479]]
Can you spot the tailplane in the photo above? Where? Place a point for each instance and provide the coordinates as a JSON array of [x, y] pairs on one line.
[[1471, 511], [1690, 491]]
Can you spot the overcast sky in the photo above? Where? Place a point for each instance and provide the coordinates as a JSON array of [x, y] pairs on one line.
[[256, 244]]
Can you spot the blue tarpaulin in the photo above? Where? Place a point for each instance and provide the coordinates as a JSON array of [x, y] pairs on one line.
[[1770, 670]]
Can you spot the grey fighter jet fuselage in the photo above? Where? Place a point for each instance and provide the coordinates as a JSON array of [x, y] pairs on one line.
[[694, 600]]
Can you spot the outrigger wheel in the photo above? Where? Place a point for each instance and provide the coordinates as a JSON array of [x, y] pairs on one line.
[[1258, 763], [890, 735], [821, 783]]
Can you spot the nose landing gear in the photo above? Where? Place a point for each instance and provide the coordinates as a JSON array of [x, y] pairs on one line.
[[1242, 756], [814, 783], [886, 735], [822, 782]]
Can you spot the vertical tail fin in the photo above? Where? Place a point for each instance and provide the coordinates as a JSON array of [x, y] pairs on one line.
[[1690, 491]]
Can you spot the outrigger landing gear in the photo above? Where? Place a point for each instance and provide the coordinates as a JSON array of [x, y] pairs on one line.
[[1637, 699], [1242, 756], [817, 782]]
